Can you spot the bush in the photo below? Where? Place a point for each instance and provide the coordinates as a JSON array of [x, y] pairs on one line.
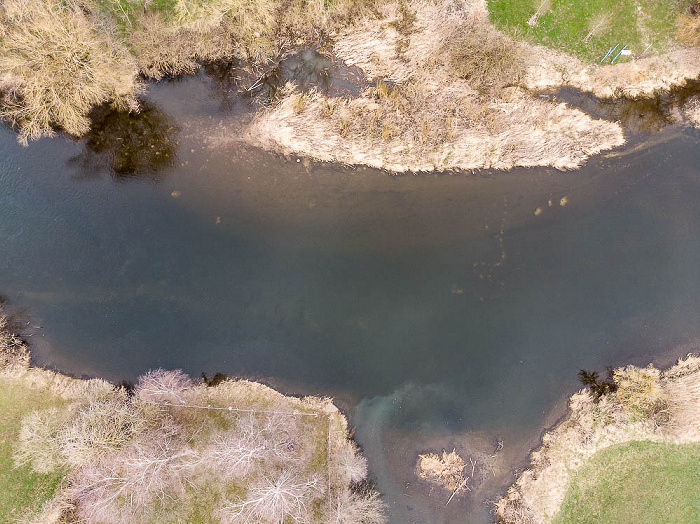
[[57, 61], [485, 57], [688, 28]]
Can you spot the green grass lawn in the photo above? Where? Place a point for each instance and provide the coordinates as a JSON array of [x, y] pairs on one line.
[[566, 24], [636, 483], [21, 490]]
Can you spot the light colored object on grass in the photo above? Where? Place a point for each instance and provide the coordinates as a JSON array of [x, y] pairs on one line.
[[650, 405]]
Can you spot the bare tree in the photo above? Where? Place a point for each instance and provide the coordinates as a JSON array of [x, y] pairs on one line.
[[160, 385], [274, 500], [358, 508]]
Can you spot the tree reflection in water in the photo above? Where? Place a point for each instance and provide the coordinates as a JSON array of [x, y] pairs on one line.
[[128, 145]]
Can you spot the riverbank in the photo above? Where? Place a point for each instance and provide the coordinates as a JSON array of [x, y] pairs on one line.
[[170, 448], [651, 417], [448, 90]]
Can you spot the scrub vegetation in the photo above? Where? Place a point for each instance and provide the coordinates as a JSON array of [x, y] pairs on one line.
[[628, 455], [61, 58], [172, 450]]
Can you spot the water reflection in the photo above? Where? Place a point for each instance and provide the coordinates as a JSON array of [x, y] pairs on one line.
[[644, 115], [310, 69], [128, 145]]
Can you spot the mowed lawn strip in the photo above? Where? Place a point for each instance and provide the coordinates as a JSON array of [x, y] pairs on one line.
[[21, 491], [636, 483]]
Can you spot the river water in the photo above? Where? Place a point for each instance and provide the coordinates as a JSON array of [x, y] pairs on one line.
[[441, 311]]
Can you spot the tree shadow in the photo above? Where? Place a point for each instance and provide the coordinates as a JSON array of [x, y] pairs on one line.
[[128, 145]]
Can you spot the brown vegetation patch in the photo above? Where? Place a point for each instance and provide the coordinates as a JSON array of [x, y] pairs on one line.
[[688, 28], [13, 350]]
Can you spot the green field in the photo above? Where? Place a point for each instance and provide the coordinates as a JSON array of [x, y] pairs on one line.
[[636, 483], [21, 490], [588, 28]]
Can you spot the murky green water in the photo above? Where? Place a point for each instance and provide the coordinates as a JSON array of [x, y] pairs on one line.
[[438, 310]]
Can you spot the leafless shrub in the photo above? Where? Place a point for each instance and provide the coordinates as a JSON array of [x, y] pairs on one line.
[[99, 429], [162, 386], [488, 59], [123, 488], [350, 465], [273, 500], [598, 24], [542, 8], [234, 453], [56, 63], [358, 508], [38, 440]]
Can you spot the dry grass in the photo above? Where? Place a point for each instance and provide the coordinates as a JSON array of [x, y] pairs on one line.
[[489, 60], [631, 413], [61, 58], [688, 28], [446, 470], [58, 61]]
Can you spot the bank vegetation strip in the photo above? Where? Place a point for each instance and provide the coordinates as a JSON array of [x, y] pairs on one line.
[[627, 456], [171, 450]]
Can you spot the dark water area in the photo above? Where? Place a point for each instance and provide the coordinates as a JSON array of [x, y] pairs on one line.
[[639, 116], [438, 310]]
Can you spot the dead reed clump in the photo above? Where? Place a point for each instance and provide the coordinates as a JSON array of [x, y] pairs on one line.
[[447, 469], [163, 49], [688, 28], [488, 59], [639, 390], [58, 61], [13, 350]]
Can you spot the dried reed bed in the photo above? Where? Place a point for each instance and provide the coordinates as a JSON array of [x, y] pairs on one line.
[[648, 405], [57, 61], [442, 106]]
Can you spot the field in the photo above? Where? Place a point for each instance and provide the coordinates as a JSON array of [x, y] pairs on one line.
[[635, 482], [588, 28]]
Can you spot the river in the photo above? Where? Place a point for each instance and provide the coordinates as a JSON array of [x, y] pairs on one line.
[[441, 311]]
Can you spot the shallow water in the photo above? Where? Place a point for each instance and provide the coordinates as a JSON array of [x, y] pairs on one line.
[[439, 310]]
